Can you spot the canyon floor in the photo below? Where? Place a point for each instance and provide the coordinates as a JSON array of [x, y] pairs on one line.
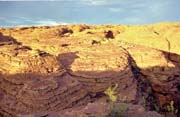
[[90, 71]]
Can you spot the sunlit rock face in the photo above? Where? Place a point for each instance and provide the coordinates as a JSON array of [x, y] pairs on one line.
[[46, 71]]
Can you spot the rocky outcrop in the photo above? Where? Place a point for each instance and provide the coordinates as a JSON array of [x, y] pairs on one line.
[[35, 82], [65, 70], [161, 71]]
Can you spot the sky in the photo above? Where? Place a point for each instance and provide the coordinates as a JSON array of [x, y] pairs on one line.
[[93, 12]]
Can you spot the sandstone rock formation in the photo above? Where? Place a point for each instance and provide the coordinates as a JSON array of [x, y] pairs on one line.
[[64, 70]]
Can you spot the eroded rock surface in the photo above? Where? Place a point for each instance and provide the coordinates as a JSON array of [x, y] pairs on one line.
[[63, 70]]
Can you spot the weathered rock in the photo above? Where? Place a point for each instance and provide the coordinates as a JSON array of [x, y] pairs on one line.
[[50, 70], [161, 69], [138, 111], [91, 109], [35, 82], [98, 70]]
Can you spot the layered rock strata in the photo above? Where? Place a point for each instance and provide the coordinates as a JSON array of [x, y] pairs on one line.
[[48, 70]]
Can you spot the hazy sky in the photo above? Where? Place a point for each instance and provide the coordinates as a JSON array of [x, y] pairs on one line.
[[88, 12]]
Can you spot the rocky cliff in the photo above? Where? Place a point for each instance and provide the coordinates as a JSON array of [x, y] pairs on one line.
[[65, 70]]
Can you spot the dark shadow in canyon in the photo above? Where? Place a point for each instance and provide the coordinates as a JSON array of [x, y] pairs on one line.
[[166, 81]]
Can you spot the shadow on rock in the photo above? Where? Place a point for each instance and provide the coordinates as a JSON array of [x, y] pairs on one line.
[[7, 40], [38, 93], [165, 81], [66, 59], [77, 85]]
